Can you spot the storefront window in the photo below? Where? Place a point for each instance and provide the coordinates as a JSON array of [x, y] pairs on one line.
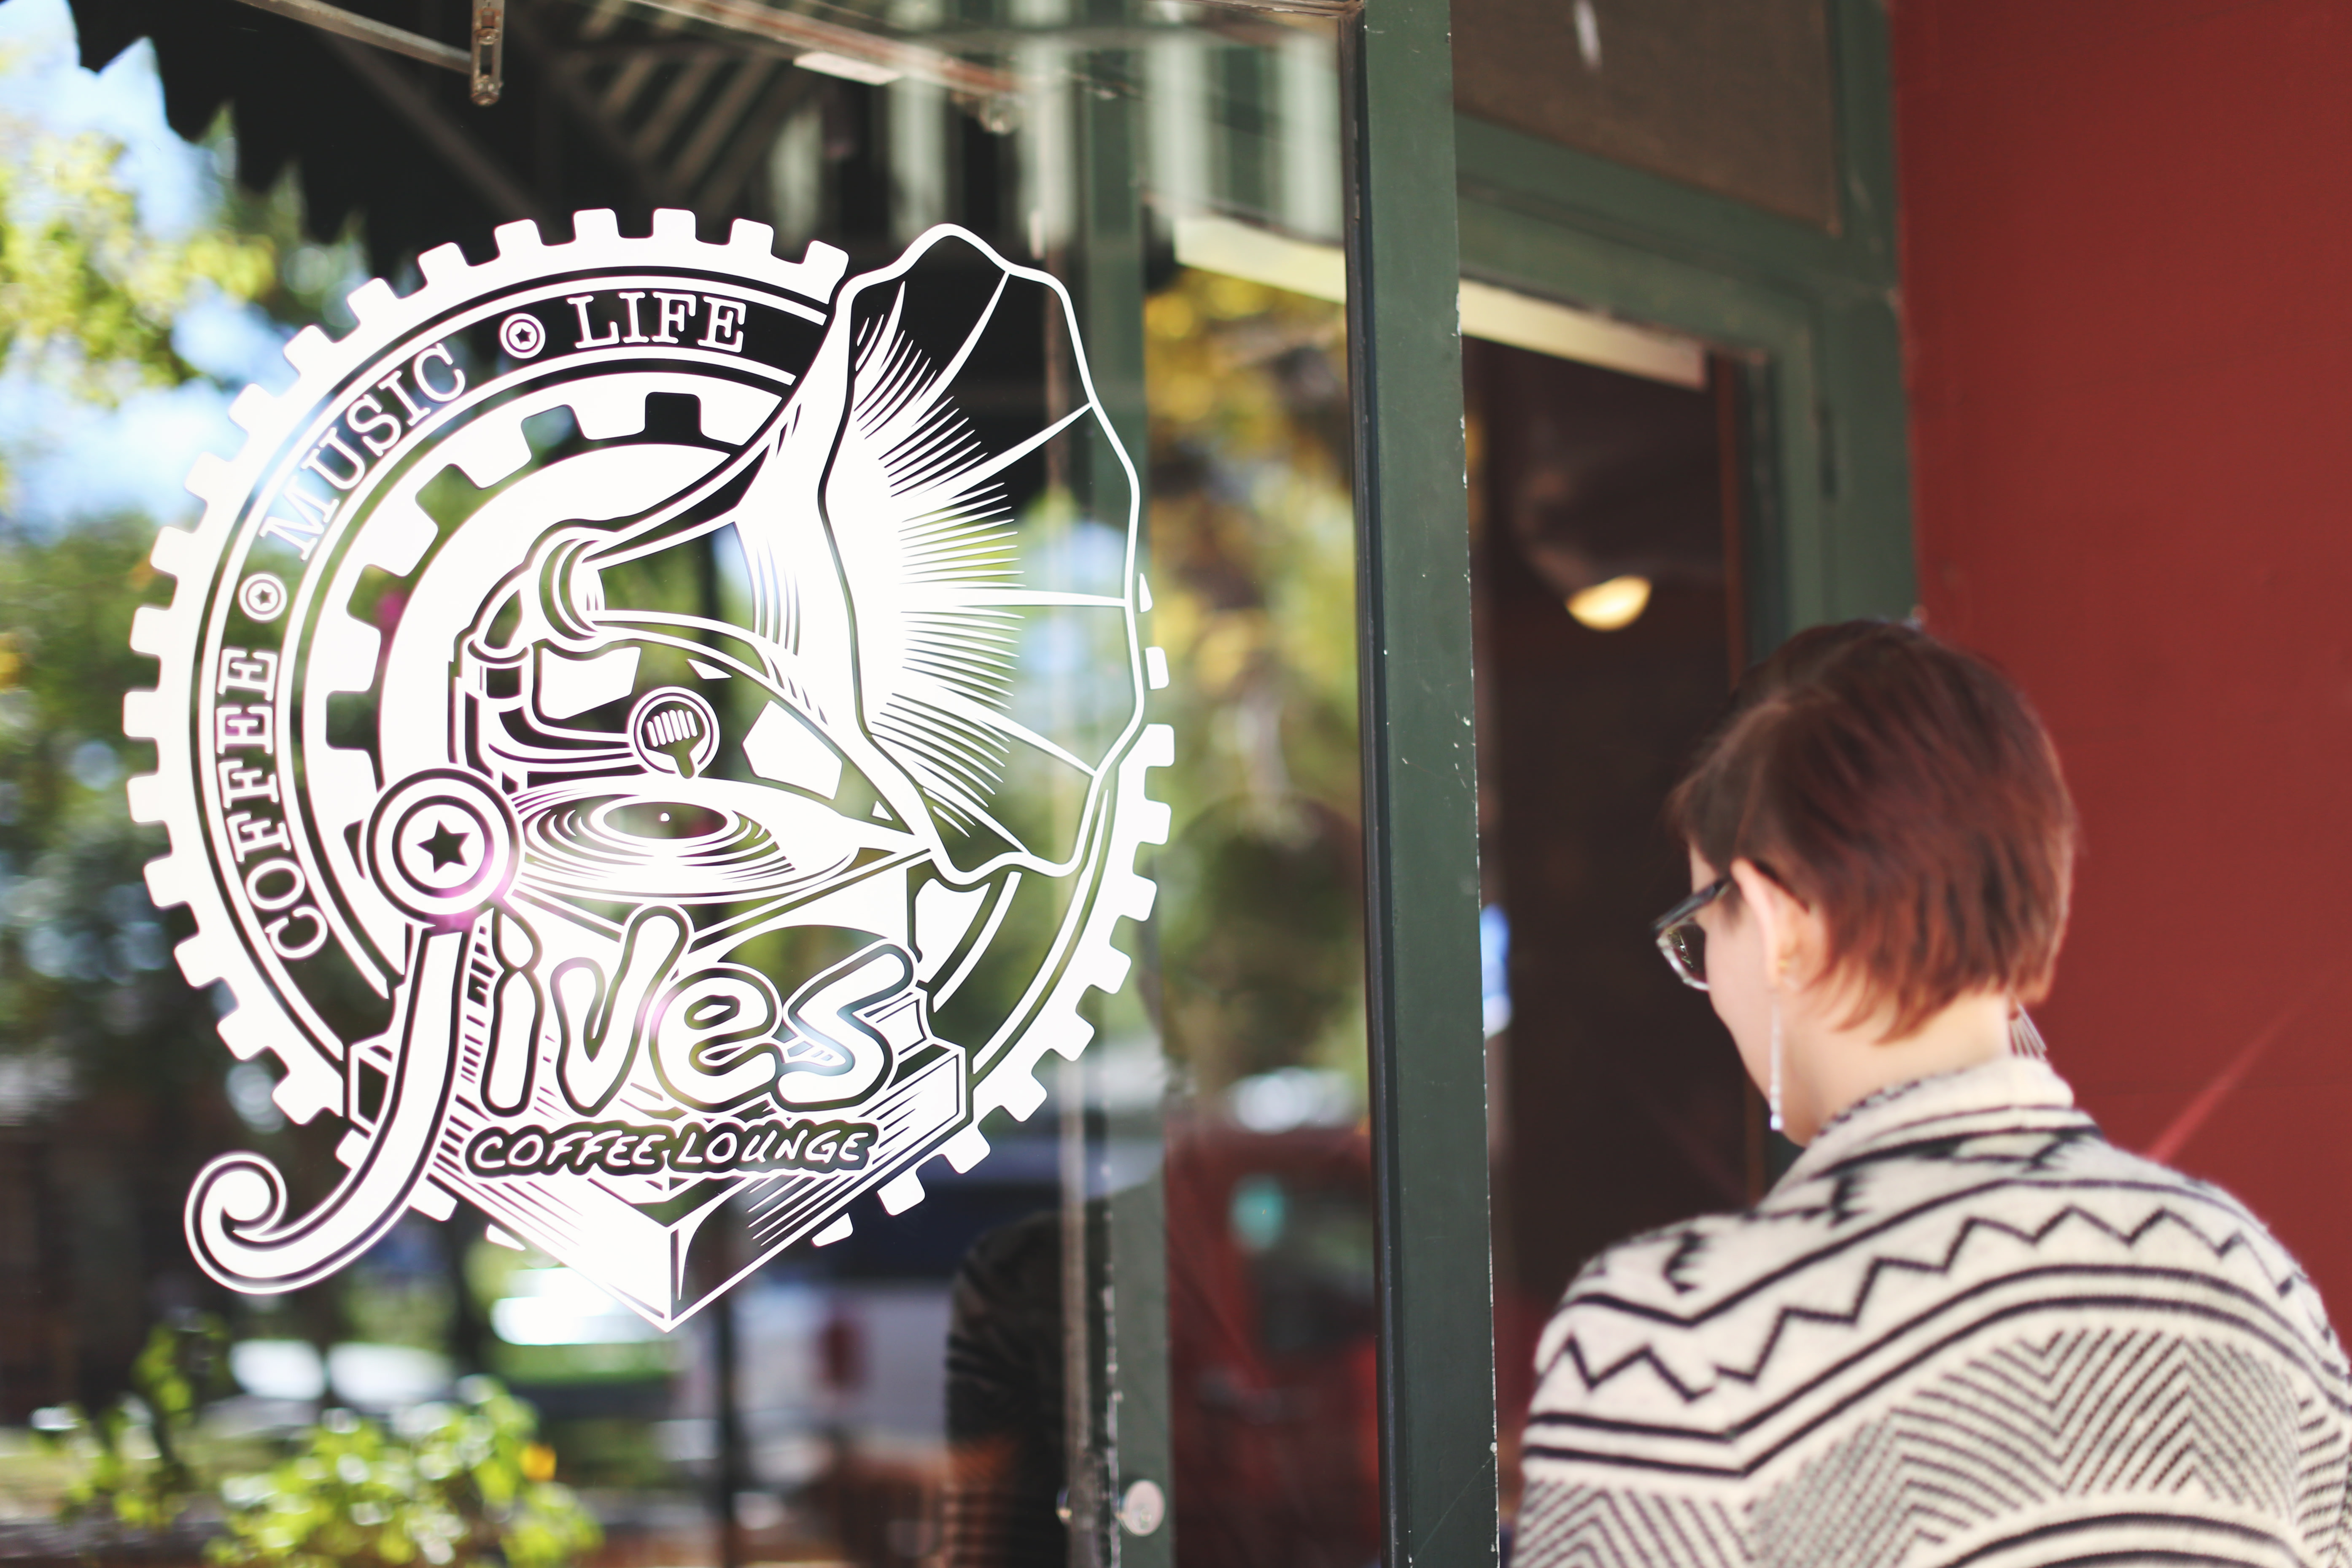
[[534, 655]]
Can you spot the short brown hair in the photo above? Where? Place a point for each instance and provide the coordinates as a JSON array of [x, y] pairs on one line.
[[1907, 791]]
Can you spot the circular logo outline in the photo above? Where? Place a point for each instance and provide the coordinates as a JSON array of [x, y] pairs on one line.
[[192, 797]]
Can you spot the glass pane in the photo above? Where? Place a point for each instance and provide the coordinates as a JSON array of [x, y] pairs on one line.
[[670, 734], [1605, 513], [1261, 961]]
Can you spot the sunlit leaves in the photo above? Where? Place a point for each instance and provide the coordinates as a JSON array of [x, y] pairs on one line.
[[88, 295], [137, 1470], [1253, 542], [458, 1483]]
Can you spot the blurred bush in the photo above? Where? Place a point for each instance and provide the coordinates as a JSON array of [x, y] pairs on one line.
[[139, 1472], [455, 1482], [451, 1483]]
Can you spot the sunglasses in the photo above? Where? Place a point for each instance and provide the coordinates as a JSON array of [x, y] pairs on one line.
[[1682, 940]]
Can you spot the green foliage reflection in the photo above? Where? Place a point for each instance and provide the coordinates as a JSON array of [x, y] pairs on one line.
[[181, 1366], [1253, 548], [89, 296], [452, 1483]]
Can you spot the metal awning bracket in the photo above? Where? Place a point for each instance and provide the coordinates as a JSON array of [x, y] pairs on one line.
[[486, 64], [490, 51]]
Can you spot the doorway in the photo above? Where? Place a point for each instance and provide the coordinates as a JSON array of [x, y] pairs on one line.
[[1606, 569]]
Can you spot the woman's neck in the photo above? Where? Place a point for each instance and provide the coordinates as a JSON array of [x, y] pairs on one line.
[[1833, 1063]]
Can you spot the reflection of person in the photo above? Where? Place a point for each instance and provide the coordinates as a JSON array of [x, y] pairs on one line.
[[1963, 1327], [1006, 1470]]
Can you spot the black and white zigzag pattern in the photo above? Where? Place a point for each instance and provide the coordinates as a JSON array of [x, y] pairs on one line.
[[1965, 1329]]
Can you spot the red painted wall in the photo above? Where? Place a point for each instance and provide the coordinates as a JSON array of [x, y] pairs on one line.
[[2128, 281]]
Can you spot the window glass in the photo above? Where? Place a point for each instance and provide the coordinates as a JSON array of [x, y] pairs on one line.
[[1125, 1315]]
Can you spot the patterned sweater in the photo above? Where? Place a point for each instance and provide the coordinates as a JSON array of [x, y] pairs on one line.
[[1964, 1329]]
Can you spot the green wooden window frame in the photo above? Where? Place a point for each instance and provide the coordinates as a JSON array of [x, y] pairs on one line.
[[1421, 790], [1814, 312], [1435, 197]]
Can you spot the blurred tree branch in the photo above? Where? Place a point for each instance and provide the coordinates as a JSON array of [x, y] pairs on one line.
[[88, 294]]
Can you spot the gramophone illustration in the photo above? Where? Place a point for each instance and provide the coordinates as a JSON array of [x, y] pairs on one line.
[[752, 700]]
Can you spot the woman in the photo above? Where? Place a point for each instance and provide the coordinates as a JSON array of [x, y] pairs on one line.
[[1964, 1328]]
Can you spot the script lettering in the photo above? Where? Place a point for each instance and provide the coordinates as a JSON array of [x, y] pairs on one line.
[[691, 1148]]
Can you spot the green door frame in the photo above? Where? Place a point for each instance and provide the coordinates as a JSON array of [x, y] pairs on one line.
[[1420, 791], [1814, 314]]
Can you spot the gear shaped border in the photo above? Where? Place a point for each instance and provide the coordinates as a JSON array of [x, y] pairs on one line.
[[172, 634]]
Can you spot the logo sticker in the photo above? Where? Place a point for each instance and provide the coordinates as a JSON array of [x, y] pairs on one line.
[[647, 726]]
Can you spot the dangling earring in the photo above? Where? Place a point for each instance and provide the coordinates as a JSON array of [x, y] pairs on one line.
[[1773, 1093], [2024, 1039]]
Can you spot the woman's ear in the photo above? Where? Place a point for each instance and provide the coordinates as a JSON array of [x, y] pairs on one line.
[[1783, 924]]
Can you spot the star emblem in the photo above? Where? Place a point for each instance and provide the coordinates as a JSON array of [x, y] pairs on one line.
[[448, 848]]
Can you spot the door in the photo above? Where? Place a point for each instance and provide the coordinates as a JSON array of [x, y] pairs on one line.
[[1643, 531]]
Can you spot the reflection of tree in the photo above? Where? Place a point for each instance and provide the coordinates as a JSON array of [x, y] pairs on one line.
[[1257, 952], [1253, 548], [87, 296], [110, 1071], [112, 1086]]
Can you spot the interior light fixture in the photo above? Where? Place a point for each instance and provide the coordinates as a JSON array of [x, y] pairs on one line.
[[1612, 605]]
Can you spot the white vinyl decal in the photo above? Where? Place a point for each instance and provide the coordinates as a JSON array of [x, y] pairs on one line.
[[647, 726]]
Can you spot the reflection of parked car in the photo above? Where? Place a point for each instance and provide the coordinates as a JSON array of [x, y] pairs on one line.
[[1271, 1356]]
